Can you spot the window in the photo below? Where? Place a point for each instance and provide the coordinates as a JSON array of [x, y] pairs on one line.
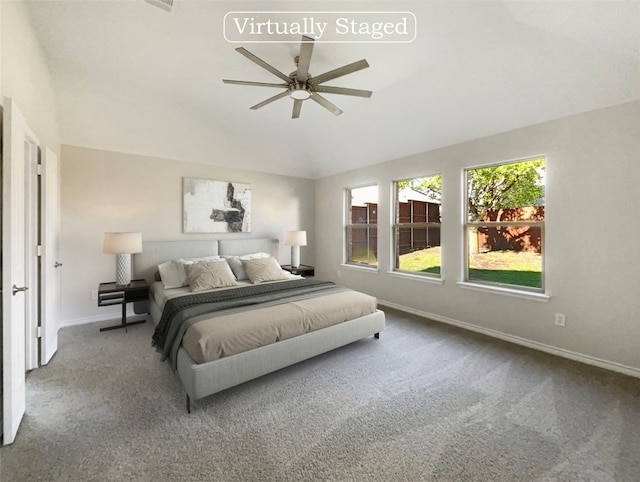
[[361, 230], [504, 226], [417, 225]]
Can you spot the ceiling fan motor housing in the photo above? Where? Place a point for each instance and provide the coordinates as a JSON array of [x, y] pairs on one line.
[[299, 90]]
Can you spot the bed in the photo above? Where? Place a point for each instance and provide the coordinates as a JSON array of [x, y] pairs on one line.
[[262, 327]]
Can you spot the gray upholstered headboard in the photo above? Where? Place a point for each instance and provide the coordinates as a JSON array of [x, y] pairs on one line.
[[238, 247], [145, 264]]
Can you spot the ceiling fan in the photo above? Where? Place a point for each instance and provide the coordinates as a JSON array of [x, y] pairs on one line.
[[300, 85]]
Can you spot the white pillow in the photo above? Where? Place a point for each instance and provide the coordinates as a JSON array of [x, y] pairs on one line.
[[172, 273], [207, 275], [235, 262], [260, 270]]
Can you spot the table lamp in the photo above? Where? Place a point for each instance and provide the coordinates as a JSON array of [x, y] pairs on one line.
[[123, 245], [295, 239]]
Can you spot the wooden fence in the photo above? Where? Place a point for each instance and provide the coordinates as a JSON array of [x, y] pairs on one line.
[[514, 238]]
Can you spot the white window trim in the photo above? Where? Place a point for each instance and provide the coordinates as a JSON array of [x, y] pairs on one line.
[[430, 277], [539, 294], [346, 213], [427, 278], [361, 267], [503, 290]]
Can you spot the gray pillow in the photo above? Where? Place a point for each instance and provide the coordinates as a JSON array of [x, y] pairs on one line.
[[236, 263]]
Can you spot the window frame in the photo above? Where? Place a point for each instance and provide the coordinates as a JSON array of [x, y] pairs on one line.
[[534, 292], [396, 225], [350, 226]]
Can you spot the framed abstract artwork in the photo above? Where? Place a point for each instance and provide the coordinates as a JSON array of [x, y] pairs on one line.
[[210, 206]]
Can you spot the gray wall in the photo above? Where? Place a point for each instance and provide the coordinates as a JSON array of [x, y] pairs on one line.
[[25, 74], [106, 191], [592, 173]]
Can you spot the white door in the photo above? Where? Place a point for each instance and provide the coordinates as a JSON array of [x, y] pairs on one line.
[[50, 267], [17, 138]]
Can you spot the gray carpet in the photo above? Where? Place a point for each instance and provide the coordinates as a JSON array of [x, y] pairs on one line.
[[425, 402]]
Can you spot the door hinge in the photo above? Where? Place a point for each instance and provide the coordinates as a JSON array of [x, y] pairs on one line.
[[39, 250], [39, 169], [39, 333]]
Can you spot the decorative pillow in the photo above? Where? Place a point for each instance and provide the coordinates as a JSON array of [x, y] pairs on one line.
[[264, 269], [208, 275], [172, 273], [236, 263]]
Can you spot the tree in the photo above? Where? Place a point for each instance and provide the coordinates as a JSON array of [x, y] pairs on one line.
[[506, 186]]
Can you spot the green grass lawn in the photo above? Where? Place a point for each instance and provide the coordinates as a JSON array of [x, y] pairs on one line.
[[423, 260], [505, 267]]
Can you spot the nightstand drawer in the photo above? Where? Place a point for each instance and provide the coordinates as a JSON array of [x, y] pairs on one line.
[[136, 294]]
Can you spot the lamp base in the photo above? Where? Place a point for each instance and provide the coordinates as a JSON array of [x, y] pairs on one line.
[[295, 256], [123, 269]]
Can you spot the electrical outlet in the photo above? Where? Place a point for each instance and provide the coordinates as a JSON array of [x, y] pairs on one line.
[[94, 295], [560, 319]]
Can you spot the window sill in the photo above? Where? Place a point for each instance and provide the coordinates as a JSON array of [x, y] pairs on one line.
[[357, 267], [527, 295], [416, 277]]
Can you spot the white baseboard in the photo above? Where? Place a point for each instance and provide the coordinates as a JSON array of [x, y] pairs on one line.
[[131, 316], [561, 352]]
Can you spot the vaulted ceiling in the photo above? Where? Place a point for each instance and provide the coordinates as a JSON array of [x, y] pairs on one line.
[[134, 78]]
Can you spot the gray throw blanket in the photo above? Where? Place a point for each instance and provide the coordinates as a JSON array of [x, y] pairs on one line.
[[178, 310]]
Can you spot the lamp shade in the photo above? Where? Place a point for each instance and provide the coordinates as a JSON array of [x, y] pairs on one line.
[[122, 243], [295, 238]]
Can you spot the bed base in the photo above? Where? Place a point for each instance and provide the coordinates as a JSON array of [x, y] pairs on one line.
[[188, 398], [205, 379]]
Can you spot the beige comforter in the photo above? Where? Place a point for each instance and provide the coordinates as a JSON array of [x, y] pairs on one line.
[[225, 335]]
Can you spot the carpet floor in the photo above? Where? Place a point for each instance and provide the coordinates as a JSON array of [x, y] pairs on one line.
[[424, 402]]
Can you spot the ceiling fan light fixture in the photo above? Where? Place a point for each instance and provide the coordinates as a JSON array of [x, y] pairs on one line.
[[299, 91]]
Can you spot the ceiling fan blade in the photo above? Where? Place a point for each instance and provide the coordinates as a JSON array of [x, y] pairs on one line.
[[271, 99], [339, 72], [259, 84], [297, 105], [263, 64], [304, 59], [326, 104], [326, 89]]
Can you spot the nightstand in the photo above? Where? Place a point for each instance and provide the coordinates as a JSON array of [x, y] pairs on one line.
[[303, 269], [113, 294]]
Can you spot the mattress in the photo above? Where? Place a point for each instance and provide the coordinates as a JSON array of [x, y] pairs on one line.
[[230, 332]]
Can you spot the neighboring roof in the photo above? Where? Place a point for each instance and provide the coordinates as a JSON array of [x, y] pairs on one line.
[[406, 193]]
